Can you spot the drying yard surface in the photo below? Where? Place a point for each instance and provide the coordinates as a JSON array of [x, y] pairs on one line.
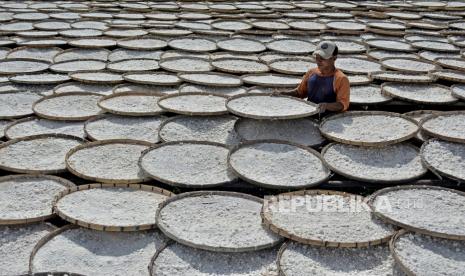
[[150, 138]]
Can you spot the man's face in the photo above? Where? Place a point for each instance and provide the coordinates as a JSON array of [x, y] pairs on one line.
[[324, 64]]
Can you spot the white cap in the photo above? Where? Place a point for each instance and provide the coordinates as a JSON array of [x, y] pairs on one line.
[[325, 49]]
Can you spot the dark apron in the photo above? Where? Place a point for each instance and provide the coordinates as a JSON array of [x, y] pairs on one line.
[[320, 89]]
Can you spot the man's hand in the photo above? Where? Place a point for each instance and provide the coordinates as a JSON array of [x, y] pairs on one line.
[[322, 107], [335, 107], [278, 92], [285, 92]]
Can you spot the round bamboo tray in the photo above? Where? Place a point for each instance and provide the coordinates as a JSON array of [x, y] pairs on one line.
[[439, 135], [407, 47], [433, 65], [32, 52], [102, 143], [363, 143], [254, 116], [234, 81], [267, 220], [272, 241], [161, 78], [232, 179], [259, 67], [192, 113], [89, 77], [293, 81], [41, 78], [411, 227], [64, 182], [154, 112], [316, 141], [30, 119], [370, 180], [33, 66], [189, 41], [436, 171], [259, 46], [429, 100], [65, 118], [451, 75], [403, 77], [273, 186], [90, 43], [103, 57], [197, 65], [45, 171], [101, 227]]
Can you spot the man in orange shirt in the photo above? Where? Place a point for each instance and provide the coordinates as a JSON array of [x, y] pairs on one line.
[[325, 85]]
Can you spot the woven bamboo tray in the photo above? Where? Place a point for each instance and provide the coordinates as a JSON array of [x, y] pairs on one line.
[[212, 47], [200, 64], [88, 132], [433, 65], [405, 267], [124, 43], [408, 48], [135, 65], [46, 55], [295, 116], [443, 61], [259, 46], [64, 118], [102, 227], [369, 180], [192, 113], [234, 81], [32, 118], [104, 42], [48, 171], [362, 98], [451, 75], [416, 77], [64, 182], [259, 67], [439, 135], [439, 173], [163, 78], [272, 241], [273, 186], [267, 220], [362, 143], [375, 64], [407, 226], [297, 71], [103, 57], [97, 66], [41, 78], [458, 95], [360, 79], [420, 101], [177, 183], [394, 254], [33, 66], [105, 77], [46, 239], [385, 32], [100, 143], [320, 140], [294, 83], [328, 264], [129, 113]]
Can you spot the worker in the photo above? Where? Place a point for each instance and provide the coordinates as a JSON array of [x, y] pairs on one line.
[[324, 85]]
